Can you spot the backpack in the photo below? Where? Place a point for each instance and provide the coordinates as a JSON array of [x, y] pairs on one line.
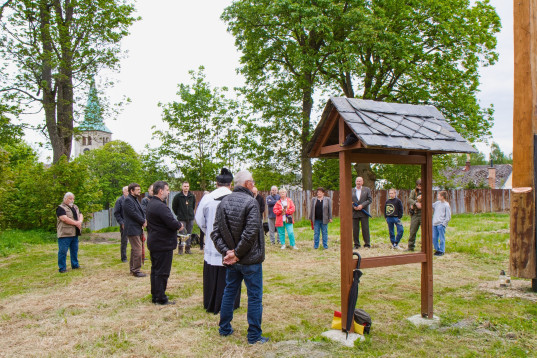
[[363, 318]]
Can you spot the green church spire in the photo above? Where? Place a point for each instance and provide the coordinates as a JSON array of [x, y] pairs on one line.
[[93, 119]]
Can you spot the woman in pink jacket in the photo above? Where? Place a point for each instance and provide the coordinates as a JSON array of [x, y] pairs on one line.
[[284, 209]]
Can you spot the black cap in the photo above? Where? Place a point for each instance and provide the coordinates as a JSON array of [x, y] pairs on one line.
[[225, 176]]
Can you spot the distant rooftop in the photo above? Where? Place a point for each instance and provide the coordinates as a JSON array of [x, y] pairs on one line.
[[478, 175], [93, 119]]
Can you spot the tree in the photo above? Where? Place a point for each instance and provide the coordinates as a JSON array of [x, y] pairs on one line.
[[475, 159], [326, 174], [113, 166], [284, 46], [154, 168], [55, 47], [34, 192], [418, 52], [499, 157], [203, 135]]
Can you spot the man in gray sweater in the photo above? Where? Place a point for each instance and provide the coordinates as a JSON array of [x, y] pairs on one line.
[[441, 218]]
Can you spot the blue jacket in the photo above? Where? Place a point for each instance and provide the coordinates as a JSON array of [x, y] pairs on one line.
[[271, 200]]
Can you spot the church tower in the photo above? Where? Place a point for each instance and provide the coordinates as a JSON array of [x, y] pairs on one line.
[[92, 133]]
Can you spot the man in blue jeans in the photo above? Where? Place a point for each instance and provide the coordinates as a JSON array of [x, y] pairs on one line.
[[68, 225], [238, 236]]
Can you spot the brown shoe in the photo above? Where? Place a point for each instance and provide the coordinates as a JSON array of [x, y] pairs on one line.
[[138, 274]]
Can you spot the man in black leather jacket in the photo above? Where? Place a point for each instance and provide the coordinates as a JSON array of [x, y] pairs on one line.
[[238, 236], [161, 240]]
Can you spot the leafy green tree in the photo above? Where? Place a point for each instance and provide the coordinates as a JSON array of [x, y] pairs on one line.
[[497, 156], [326, 174], [34, 192], [154, 168], [55, 46], [113, 166], [267, 176], [475, 159], [420, 52], [202, 134]]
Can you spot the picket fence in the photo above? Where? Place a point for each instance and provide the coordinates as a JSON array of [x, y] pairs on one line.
[[461, 201]]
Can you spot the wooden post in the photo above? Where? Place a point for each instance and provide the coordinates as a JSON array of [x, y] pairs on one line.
[[522, 252], [524, 129], [427, 237], [345, 213]]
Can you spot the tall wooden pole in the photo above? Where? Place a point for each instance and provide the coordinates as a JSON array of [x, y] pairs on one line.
[[427, 237], [523, 249], [345, 214]]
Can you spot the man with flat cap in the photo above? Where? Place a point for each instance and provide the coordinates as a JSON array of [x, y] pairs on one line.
[[214, 272]]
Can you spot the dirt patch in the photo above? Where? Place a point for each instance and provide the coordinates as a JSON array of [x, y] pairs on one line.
[[102, 237], [518, 289], [297, 349]]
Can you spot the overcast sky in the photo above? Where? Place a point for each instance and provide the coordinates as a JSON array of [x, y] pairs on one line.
[[174, 37]]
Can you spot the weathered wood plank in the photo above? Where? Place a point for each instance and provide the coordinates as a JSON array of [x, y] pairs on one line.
[[522, 241]]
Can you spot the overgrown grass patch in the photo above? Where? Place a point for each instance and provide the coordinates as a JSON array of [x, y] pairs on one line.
[[101, 310]]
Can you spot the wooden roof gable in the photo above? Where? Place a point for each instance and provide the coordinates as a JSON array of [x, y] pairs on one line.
[[384, 127]]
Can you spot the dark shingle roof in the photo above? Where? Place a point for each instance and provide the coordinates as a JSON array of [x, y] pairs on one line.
[[478, 174], [395, 126]]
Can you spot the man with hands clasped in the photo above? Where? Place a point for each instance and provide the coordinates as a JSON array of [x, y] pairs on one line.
[[238, 235]]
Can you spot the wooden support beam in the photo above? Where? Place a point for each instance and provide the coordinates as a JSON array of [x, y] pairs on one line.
[[427, 237], [387, 158], [382, 261], [336, 148], [345, 213], [333, 119]]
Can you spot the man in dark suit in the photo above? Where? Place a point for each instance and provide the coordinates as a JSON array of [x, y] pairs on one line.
[[134, 220], [361, 198], [118, 213]]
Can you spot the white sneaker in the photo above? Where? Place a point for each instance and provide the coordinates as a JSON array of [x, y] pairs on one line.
[[283, 247], [294, 247], [397, 247]]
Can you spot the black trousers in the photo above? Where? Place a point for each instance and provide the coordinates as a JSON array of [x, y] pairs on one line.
[[161, 265], [356, 230], [124, 242]]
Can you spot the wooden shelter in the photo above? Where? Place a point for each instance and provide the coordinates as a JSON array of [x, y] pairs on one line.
[[387, 133]]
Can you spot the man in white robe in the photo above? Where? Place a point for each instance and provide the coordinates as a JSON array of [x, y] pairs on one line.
[[214, 272]]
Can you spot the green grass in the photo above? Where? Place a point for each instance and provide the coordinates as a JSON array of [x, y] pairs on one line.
[[105, 312], [16, 241]]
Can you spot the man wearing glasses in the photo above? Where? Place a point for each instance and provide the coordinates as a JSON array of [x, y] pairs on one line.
[[238, 236]]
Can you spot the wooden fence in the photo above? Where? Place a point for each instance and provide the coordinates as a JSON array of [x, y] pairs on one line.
[[461, 201]]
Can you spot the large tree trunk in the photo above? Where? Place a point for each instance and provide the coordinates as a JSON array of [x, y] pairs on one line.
[[48, 89], [305, 160], [65, 95], [364, 170]]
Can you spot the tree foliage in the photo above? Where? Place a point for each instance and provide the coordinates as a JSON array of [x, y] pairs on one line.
[[418, 52], [51, 47], [113, 166], [202, 134], [32, 192], [499, 157]]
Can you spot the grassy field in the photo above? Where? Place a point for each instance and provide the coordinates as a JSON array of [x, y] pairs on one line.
[[101, 311]]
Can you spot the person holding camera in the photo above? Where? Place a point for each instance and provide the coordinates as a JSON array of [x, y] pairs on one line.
[[284, 209], [414, 201]]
